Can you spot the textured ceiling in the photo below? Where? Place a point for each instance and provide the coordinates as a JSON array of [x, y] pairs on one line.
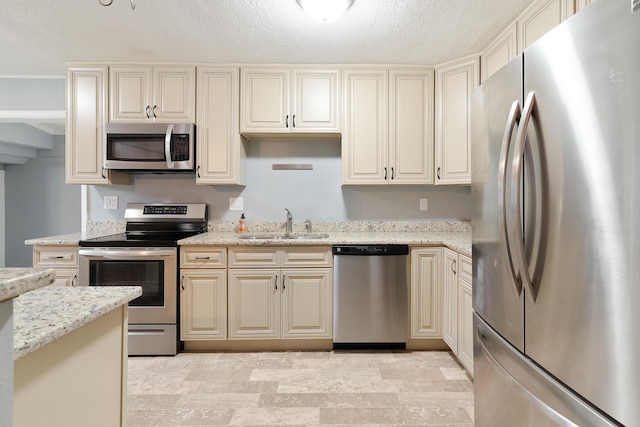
[[39, 36]]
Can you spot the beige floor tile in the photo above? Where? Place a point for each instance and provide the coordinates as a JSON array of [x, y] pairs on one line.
[[276, 416]]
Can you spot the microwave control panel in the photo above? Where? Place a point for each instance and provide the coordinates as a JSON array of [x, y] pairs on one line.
[[180, 147]]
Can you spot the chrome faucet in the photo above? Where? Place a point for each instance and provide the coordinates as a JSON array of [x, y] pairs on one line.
[[289, 225]]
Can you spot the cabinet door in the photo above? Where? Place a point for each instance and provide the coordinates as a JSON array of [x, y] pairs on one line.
[[84, 130], [130, 93], [455, 82], [254, 304], [465, 325], [307, 303], [501, 50], [581, 4], [174, 94], [220, 151], [315, 101], [198, 256], [539, 18], [264, 94], [203, 304], [410, 127], [364, 136], [450, 300], [426, 292]]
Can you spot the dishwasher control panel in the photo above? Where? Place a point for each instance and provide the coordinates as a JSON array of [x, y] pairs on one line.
[[371, 250]]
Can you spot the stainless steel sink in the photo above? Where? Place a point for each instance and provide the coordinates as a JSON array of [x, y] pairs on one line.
[[276, 236]]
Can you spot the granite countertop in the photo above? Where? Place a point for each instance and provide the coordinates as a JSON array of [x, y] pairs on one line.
[[455, 235], [16, 281], [459, 241], [46, 314]]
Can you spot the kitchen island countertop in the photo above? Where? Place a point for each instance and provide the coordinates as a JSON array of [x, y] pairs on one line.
[[16, 281], [46, 314]]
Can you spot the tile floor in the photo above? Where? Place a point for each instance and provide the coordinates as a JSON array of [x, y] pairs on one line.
[[331, 388]]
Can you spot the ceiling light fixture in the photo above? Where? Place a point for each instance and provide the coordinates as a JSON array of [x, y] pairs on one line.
[[325, 10]]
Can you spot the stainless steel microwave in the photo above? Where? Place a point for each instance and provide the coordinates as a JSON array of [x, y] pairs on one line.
[[150, 146]]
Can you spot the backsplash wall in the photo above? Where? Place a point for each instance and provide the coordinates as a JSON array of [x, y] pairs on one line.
[[310, 194]]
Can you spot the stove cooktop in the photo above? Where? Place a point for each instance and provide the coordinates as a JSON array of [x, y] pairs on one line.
[[164, 239]]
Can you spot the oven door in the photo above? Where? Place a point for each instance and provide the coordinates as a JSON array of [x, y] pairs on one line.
[[154, 269]]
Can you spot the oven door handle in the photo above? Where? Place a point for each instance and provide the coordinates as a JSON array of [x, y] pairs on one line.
[[127, 254]]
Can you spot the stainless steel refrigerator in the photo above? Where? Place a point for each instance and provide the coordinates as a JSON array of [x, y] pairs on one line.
[[556, 228]]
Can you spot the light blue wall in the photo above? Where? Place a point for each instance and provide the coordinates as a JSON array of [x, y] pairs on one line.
[[29, 94], [38, 203], [315, 194]]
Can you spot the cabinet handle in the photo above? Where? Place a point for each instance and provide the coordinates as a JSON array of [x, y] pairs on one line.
[[102, 173], [74, 280], [182, 283], [198, 171], [294, 120], [385, 173], [438, 173], [453, 267], [283, 286], [155, 109], [55, 257], [203, 257], [392, 173], [286, 121], [146, 112], [276, 282]]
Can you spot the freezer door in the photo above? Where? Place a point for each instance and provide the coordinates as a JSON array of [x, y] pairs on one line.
[[497, 296], [582, 325], [512, 391]]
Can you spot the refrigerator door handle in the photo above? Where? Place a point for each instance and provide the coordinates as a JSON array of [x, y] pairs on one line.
[[484, 341], [522, 265], [512, 121]]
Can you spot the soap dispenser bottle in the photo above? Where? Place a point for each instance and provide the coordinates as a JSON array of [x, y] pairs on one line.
[[242, 225]]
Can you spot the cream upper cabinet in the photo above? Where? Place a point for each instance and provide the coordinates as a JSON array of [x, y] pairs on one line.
[[426, 292], [141, 93], [365, 137], [501, 50], [581, 4], [455, 82], [220, 150], [450, 300], [388, 127], [283, 100], [86, 91], [541, 17]]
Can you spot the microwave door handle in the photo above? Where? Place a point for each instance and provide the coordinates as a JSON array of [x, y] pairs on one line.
[[167, 146]]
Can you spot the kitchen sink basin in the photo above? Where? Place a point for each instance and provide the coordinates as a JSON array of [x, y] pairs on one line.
[[276, 236]]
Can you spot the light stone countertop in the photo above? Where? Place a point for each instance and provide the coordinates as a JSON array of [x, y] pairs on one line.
[[16, 281], [46, 314], [455, 235], [459, 241]]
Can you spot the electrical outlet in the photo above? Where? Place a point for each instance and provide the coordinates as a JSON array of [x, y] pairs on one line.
[[424, 204], [236, 204], [111, 202]]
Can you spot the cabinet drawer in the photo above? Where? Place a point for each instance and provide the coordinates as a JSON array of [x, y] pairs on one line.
[[253, 257], [307, 256], [466, 270], [55, 256], [202, 257]]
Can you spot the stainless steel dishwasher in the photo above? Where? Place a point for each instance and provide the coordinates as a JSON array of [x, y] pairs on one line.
[[370, 296]]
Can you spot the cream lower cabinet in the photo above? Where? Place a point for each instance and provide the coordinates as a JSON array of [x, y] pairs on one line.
[[388, 126], [63, 259], [220, 150], [280, 293], [426, 293], [458, 307], [203, 293], [86, 88]]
